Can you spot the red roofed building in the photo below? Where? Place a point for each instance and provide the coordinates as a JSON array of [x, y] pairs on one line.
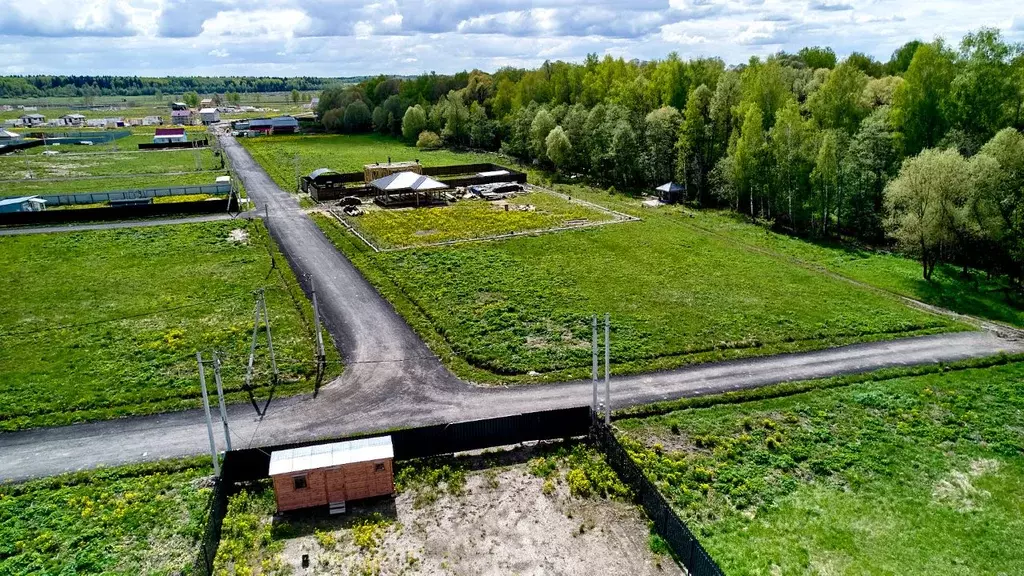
[[169, 135]]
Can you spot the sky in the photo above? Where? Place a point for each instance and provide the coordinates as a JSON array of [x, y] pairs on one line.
[[363, 37]]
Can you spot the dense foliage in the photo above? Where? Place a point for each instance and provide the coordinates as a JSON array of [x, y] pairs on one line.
[[913, 475], [803, 142], [141, 519], [52, 86]]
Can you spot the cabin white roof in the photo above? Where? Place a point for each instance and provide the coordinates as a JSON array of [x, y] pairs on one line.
[[37, 200], [328, 455], [407, 181], [208, 111], [492, 173]]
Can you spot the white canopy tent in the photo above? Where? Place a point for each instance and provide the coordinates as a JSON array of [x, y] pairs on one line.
[[407, 189]]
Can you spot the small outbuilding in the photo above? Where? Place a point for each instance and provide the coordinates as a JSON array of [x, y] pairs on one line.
[[8, 137], [169, 135], [332, 474], [408, 189], [285, 125], [671, 192], [209, 115], [33, 120], [22, 204]]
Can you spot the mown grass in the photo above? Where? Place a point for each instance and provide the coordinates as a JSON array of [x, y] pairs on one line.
[[141, 519], [975, 295], [345, 153], [106, 323], [676, 296], [468, 219], [112, 184], [909, 475], [72, 165]]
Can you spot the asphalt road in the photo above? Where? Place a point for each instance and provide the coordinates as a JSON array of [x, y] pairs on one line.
[[392, 379]]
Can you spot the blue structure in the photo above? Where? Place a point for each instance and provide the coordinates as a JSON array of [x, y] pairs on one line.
[[22, 204]]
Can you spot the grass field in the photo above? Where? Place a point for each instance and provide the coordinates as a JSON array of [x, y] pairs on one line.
[[71, 164], [344, 153], [499, 310], [915, 475], [113, 183], [468, 219], [976, 295], [107, 323], [143, 519]]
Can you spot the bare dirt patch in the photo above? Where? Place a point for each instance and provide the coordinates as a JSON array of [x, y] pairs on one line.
[[501, 523]]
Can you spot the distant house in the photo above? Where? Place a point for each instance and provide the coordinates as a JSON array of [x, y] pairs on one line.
[[170, 135], [73, 119], [96, 123], [284, 125], [13, 123], [209, 115], [152, 121], [22, 204], [181, 117], [179, 106], [313, 103], [32, 120], [206, 103]]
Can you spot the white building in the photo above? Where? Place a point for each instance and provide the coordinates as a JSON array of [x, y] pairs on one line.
[[209, 115]]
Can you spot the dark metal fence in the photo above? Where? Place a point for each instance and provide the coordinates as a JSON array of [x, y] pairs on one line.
[[683, 543], [169, 145], [208, 544], [118, 212]]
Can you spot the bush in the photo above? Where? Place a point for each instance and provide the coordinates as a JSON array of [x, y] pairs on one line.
[[428, 140]]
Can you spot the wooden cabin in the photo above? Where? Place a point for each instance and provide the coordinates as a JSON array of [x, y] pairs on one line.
[[332, 474]]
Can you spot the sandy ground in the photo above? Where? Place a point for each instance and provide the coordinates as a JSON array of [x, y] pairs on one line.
[[502, 524]]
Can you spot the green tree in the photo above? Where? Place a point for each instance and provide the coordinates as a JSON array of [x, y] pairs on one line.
[[839, 103], [919, 105], [901, 58], [723, 106], [456, 120], [982, 93], [357, 117], [870, 163], [559, 149], [763, 84], [792, 150], [192, 99], [749, 166], [413, 122], [661, 131], [818, 57], [827, 179], [295, 96], [380, 120], [997, 198], [333, 120], [543, 123], [697, 151], [428, 140], [924, 205], [624, 154], [482, 130]]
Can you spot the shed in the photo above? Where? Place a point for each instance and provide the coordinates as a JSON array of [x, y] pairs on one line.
[[22, 204], [8, 137], [284, 125], [73, 119], [671, 192], [169, 135], [181, 117], [33, 119], [263, 125], [209, 115], [332, 474], [179, 106]]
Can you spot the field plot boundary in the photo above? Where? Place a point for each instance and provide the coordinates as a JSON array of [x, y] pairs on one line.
[[617, 218]]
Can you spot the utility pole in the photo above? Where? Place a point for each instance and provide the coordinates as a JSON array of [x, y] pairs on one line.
[[220, 398], [270, 339], [607, 370], [593, 370], [298, 174], [209, 419], [320, 353]]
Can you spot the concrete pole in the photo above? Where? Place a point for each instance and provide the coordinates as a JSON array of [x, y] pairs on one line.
[[220, 399], [316, 317], [209, 419], [607, 370], [593, 371], [270, 340]]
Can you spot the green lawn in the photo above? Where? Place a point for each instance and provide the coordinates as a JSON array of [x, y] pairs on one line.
[[499, 310], [468, 219], [143, 519], [72, 164], [975, 296], [114, 183], [915, 475], [344, 153], [107, 323]]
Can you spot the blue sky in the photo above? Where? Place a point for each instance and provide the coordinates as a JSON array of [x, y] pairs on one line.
[[356, 37]]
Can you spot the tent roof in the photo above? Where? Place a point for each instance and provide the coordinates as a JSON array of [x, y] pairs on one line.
[[20, 200], [407, 181], [5, 134], [671, 187], [328, 455]]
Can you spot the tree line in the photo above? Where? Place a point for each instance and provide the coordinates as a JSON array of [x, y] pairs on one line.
[[41, 86], [803, 142]]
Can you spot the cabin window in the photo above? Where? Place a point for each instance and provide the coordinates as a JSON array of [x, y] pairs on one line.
[[300, 482], [378, 467]]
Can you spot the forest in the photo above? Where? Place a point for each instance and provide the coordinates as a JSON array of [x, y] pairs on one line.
[[41, 86], [923, 152]]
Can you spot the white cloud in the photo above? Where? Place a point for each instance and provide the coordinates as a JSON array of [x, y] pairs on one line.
[[352, 37]]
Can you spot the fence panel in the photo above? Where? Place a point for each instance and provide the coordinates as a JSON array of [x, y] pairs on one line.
[[666, 522]]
